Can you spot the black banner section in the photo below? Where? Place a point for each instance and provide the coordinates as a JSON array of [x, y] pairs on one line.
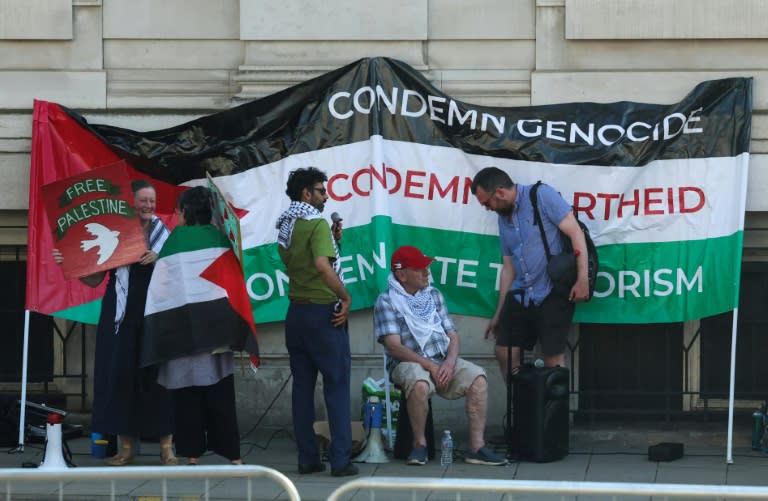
[[381, 96]]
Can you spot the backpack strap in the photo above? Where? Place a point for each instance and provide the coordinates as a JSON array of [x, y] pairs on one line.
[[537, 217]]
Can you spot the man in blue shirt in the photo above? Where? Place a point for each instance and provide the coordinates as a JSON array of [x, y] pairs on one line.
[[411, 321], [528, 309]]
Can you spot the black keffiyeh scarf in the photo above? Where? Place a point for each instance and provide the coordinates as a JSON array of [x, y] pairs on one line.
[[158, 234], [287, 220]]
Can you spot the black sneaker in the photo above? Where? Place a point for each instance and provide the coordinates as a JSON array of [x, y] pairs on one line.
[[345, 471], [484, 456], [418, 456], [305, 469]]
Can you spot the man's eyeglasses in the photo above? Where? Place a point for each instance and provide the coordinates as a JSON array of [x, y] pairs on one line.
[[322, 191], [487, 201]]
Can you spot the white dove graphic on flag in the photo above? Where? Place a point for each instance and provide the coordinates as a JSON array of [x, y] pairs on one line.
[[106, 240]]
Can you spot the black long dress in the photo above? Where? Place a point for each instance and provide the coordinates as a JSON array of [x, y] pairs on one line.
[[127, 399]]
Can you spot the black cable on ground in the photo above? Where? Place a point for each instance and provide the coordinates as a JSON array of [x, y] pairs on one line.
[[264, 447], [261, 418]]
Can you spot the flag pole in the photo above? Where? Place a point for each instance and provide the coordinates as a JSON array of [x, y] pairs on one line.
[[23, 401], [734, 330], [731, 387]]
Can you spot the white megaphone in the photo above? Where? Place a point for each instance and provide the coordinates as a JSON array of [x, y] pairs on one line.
[[374, 449], [54, 457]]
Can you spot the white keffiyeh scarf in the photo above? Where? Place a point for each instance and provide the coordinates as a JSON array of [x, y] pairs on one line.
[[287, 220], [158, 234], [419, 311]]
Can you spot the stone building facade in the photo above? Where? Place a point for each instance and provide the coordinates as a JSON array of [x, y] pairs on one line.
[[148, 64]]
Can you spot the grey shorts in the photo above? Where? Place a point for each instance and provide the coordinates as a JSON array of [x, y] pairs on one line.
[[407, 374]]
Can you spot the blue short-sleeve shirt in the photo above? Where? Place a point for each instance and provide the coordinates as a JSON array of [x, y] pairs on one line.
[[520, 239]]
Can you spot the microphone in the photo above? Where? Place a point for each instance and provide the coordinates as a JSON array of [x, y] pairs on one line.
[[336, 218]]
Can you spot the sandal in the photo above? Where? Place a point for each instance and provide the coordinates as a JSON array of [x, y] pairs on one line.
[[122, 459], [167, 456]]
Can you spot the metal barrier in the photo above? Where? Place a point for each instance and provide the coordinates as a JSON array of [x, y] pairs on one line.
[[111, 474], [513, 487]]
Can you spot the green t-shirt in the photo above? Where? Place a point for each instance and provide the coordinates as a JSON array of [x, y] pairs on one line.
[[310, 240]]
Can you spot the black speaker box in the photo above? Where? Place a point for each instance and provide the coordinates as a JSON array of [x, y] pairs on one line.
[[665, 451], [540, 431]]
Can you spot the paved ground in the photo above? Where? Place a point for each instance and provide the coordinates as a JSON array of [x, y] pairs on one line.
[[605, 455]]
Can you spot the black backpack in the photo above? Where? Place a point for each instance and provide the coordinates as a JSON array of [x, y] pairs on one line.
[[562, 267]]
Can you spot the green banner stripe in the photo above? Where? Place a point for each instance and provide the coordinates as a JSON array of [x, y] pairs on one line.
[[365, 259], [665, 282], [638, 283]]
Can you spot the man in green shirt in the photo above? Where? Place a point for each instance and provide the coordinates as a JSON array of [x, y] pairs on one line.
[[316, 332]]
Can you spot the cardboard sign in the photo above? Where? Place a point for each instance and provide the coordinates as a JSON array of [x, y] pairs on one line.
[[93, 220], [225, 218]]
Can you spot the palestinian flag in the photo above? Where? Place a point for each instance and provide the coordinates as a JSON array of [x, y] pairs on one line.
[[662, 187], [61, 148], [197, 301]]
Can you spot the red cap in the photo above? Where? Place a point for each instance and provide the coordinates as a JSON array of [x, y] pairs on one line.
[[409, 257]]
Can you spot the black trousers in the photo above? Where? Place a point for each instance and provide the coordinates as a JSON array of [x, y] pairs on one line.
[[206, 419]]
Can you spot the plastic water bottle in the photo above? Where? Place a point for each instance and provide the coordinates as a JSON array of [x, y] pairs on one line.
[[446, 456]]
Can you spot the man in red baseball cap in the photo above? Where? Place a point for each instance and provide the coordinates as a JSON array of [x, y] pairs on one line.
[[412, 322], [409, 257]]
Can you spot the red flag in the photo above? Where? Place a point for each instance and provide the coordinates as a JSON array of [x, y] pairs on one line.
[[61, 148]]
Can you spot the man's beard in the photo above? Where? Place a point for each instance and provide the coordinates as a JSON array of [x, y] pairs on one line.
[[505, 211]]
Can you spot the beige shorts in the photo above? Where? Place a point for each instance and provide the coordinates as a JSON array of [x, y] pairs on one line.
[[406, 374]]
